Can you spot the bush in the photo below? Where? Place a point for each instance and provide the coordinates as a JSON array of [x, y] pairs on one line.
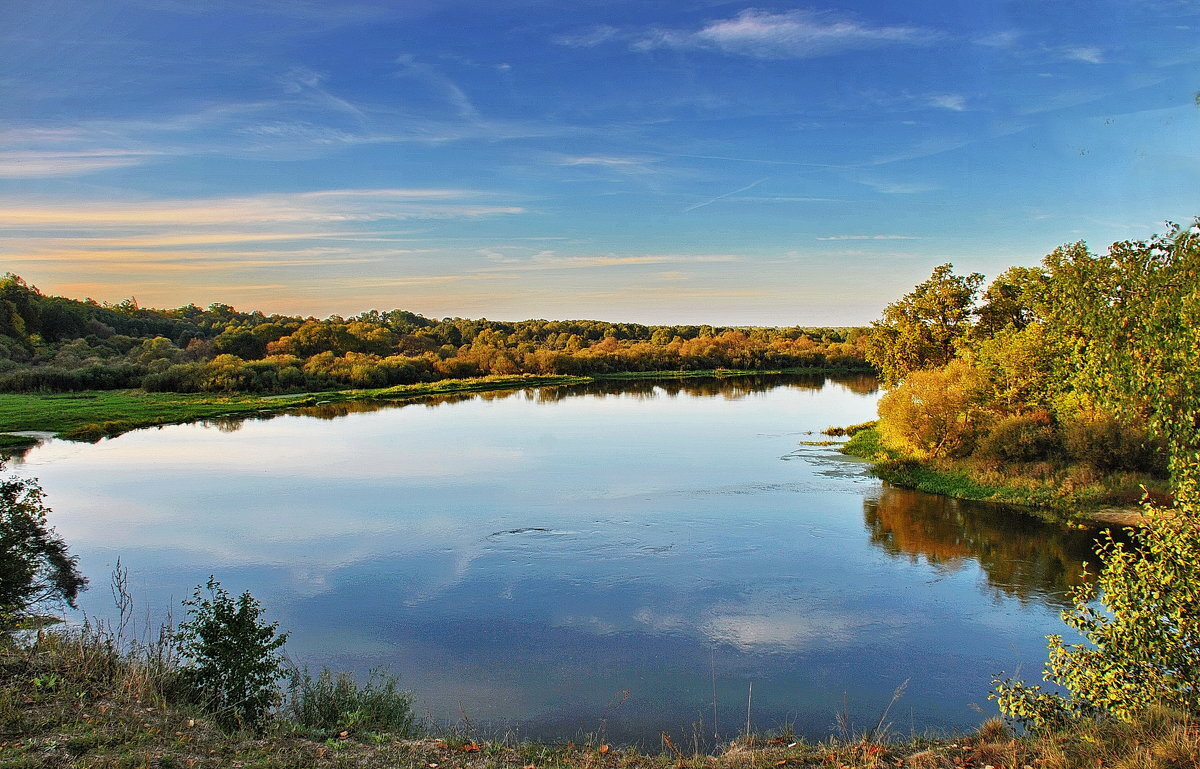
[[35, 567], [1105, 443], [1141, 648], [230, 662], [1020, 438], [337, 703], [934, 413]]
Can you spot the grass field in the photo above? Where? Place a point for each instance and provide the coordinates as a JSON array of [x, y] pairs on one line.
[[96, 414]]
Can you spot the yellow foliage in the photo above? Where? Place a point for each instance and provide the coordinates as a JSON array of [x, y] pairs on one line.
[[935, 412]]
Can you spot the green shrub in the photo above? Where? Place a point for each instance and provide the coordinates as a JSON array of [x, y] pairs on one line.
[[1141, 646], [336, 703], [230, 664]]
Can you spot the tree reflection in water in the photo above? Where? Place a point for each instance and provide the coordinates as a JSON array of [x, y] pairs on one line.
[[731, 388], [1021, 556]]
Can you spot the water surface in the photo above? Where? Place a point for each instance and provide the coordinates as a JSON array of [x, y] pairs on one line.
[[562, 561]]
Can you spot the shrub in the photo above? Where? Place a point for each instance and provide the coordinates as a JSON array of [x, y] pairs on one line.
[[934, 413], [1141, 649], [230, 664], [1020, 438], [336, 703], [1105, 443]]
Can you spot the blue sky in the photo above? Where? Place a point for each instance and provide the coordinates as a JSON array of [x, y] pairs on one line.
[[726, 162]]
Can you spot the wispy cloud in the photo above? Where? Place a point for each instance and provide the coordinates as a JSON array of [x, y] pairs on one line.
[[868, 237], [32, 164], [306, 208], [1088, 53], [608, 161], [515, 259], [794, 34], [889, 187], [589, 38], [444, 86], [951, 101]]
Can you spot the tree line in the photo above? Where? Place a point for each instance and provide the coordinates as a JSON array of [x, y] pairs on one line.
[[52, 343]]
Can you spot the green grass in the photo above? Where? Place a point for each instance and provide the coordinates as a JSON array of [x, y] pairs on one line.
[[95, 414], [92, 415]]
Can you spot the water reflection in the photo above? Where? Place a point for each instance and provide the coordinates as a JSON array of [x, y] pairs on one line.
[[523, 556], [1021, 556], [730, 388]]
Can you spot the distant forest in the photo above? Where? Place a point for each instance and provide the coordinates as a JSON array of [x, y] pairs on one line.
[[55, 344]]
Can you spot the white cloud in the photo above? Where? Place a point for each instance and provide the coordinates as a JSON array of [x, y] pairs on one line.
[[1090, 54], [951, 101], [789, 35], [325, 206], [590, 38], [610, 161], [868, 237], [28, 164]]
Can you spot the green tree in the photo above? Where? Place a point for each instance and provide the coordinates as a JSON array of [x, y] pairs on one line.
[[923, 329], [1129, 323], [1010, 300], [231, 659], [35, 567]]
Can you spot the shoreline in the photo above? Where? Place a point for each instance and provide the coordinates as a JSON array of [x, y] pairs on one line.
[[912, 473], [28, 418], [75, 713]]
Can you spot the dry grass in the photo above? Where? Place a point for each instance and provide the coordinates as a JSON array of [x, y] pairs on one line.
[[75, 699]]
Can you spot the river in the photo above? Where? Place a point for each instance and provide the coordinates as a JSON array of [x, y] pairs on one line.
[[608, 560]]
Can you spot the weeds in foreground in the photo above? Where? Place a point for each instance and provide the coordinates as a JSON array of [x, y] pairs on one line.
[[67, 700]]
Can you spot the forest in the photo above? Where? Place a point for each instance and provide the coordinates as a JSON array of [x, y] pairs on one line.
[[1076, 374], [56, 344]]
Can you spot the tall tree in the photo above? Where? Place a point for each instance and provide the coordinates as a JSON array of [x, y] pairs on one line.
[[1129, 320], [922, 330]]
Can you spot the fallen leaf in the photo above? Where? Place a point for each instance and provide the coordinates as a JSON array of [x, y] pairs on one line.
[[781, 763], [603, 749], [470, 747], [343, 735]]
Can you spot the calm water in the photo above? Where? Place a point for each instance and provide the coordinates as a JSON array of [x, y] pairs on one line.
[[561, 561]]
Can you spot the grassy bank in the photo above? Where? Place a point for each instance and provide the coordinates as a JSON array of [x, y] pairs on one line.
[[95, 414], [1051, 492], [72, 700]]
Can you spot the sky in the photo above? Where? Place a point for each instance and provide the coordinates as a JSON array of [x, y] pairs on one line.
[[739, 163]]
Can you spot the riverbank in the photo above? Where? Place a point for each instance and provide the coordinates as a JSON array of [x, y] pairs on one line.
[[64, 703], [95, 414], [1106, 500]]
